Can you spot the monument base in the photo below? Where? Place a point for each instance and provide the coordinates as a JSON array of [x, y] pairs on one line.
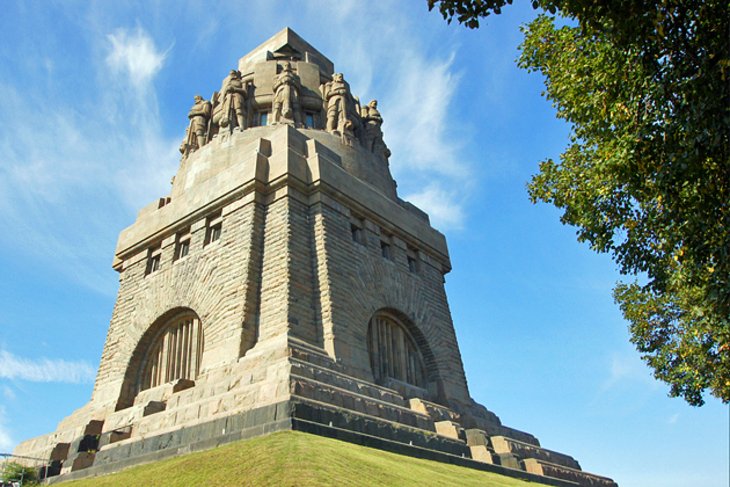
[[307, 393]]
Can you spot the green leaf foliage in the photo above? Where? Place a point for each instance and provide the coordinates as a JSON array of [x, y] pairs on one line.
[[15, 472], [646, 175]]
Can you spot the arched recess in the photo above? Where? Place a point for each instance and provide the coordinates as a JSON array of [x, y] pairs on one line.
[[170, 349], [400, 356]]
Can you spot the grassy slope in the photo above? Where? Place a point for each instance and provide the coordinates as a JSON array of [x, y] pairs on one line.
[[297, 459]]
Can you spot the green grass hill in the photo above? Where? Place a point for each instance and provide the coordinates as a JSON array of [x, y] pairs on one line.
[[292, 458]]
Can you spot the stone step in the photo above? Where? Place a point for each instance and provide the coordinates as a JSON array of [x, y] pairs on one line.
[[522, 450], [345, 381], [305, 347], [488, 429], [307, 353], [437, 412], [375, 425], [345, 399], [584, 479]]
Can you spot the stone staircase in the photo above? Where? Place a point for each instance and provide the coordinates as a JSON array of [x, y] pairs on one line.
[[326, 396]]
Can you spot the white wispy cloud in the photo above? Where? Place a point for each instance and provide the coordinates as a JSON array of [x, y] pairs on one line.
[[415, 86], [6, 442], [627, 368], [419, 111], [143, 160], [8, 394], [76, 152], [444, 207], [45, 370], [133, 52], [107, 145]]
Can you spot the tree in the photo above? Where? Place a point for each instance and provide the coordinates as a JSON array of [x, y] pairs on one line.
[[646, 174], [15, 472]]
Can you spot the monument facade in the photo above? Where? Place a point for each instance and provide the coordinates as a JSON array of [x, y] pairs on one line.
[[283, 284]]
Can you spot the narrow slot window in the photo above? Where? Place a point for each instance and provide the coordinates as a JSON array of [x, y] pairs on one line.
[[357, 230], [414, 263], [356, 233], [182, 245], [154, 258], [309, 120], [385, 250], [386, 245], [213, 228]]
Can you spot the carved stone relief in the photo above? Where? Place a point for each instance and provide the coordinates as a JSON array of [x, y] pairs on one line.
[[197, 132], [373, 136], [231, 112], [285, 107], [236, 105], [335, 94]]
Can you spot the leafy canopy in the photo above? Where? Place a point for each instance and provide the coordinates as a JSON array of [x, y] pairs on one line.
[[646, 174], [15, 472]]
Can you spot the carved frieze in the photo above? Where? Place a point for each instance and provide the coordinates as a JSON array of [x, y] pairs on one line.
[[231, 109], [249, 101], [197, 132], [286, 107]]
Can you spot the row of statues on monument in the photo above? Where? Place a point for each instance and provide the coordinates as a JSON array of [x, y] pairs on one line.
[[229, 110]]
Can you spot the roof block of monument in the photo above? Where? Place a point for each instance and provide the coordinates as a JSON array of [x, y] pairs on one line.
[[285, 81], [286, 45]]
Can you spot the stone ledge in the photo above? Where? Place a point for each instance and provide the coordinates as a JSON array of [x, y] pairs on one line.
[[580, 477], [497, 429], [314, 427], [298, 345], [323, 413], [257, 422], [341, 380], [436, 412], [353, 401], [449, 429], [522, 450], [307, 416]]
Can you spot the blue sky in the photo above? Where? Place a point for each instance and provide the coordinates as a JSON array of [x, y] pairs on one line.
[[93, 105]]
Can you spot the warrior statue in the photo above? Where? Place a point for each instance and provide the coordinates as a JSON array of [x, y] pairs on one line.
[[195, 135], [233, 102], [373, 132], [286, 107], [335, 95]]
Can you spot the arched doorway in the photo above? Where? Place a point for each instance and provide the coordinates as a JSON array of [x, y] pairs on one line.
[[395, 354], [170, 349], [174, 353]]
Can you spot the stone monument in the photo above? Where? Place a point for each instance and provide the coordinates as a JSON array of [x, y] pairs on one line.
[[283, 284]]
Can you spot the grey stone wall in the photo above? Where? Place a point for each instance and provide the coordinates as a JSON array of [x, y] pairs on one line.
[[359, 281], [219, 281], [286, 263]]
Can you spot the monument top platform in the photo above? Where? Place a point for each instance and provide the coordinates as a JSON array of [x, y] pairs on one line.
[[286, 45]]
